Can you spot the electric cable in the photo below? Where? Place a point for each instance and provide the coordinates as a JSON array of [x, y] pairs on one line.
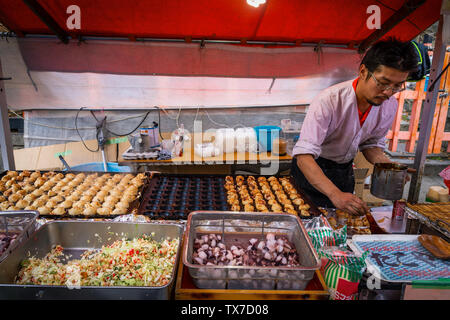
[[76, 127], [126, 134]]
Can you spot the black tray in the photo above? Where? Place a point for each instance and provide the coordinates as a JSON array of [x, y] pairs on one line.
[[174, 196]]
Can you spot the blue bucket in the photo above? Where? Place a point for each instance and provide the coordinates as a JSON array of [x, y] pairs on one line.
[[265, 136], [98, 167]]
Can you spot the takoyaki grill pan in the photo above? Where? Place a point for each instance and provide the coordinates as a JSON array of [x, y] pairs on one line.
[[174, 196]]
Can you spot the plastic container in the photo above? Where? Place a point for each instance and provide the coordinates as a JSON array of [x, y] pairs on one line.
[[98, 166], [246, 140], [225, 140], [265, 136]]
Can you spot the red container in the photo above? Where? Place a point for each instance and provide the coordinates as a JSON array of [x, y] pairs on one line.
[[447, 183], [398, 211]]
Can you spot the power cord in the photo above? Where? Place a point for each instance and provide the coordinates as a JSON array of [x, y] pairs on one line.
[[76, 127]]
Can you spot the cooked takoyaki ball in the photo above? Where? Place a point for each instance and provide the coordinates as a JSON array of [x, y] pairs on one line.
[[14, 197], [89, 210], [288, 206], [104, 211], [66, 204], [83, 187], [262, 179], [304, 207], [13, 208], [270, 179], [58, 211], [122, 205], [294, 196], [108, 204], [39, 203], [8, 192], [51, 203], [262, 208], [235, 207], [73, 184], [22, 204], [39, 182], [292, 211], [57, 198], [119, 211], [276, 208], [276, 187], [249, 208], [305, 213], [230, 187], [31, 208], [3, 188], [44, 210], [28, 188], [25, 173], [298, 201], [116, 193], [23, 193], [229, 179], [90, 192], [4, 205], [2, 198], [137, 182], [75, 211], [12, 174], [81, 176], [86, 198], [10, 183], [112, 198]]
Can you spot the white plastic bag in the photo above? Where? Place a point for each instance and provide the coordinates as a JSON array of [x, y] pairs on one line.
[[246, 140], [225, 140]]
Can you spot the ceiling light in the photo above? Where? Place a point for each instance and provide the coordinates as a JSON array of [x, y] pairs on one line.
[[255, 3]]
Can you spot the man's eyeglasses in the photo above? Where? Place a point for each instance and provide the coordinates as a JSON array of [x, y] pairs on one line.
[[383, 87]]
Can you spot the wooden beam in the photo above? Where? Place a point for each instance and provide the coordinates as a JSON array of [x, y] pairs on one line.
[[407, 8], [48, 20]]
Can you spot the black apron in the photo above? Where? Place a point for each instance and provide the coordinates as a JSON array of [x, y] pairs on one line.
[[341, 174]]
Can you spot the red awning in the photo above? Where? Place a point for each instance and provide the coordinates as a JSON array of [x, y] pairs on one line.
[[329, 21]]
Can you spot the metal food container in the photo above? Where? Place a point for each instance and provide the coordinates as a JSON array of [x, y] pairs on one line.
[[20, 224], [388, 180], [76, 237], [237, 226]]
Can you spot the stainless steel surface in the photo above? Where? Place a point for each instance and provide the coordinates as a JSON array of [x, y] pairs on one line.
[[76, 237], [232, 225], [427, 222], [388, 180], [22, 223]]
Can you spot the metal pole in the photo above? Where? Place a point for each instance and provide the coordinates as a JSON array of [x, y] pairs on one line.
[[427, 116], [5, 131]]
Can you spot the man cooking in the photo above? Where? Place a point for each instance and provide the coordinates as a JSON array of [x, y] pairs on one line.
[[347, 117]]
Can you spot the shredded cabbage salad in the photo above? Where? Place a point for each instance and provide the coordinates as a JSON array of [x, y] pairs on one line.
[[138, 262]]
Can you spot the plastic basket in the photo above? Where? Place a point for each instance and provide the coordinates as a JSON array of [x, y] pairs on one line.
[[265, 136], [98, 166]]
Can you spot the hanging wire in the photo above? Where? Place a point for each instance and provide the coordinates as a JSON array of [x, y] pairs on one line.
[[76, 127]]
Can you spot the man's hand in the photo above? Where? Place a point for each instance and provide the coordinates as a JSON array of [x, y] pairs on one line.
[[349, 203]]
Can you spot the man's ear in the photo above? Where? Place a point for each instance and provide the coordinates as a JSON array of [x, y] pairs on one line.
[[363, 72]]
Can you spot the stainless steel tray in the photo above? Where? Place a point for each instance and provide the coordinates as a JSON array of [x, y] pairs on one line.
[[76, 237], [234, 225], [20, 223], [427, 221]]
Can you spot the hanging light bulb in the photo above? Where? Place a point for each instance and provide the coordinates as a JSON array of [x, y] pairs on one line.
[[255, 3]]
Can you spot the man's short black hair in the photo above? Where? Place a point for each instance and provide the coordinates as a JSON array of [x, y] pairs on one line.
[[391, 53]]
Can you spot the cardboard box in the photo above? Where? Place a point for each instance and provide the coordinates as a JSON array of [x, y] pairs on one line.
[[75, 153]]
